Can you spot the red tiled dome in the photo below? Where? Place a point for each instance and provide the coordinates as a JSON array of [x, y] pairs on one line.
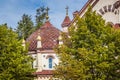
[[49, 37], [66, 21]]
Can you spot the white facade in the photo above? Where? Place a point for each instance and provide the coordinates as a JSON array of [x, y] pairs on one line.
[[65, 29], [109, 16], [41, 60], [106, 6]]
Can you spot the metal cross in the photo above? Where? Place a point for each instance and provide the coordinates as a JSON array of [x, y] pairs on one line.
[[47, 17], [67, 10]]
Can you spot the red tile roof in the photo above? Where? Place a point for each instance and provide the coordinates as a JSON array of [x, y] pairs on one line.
[[117, 25], [66, 21], [49, 37], [44, 72]]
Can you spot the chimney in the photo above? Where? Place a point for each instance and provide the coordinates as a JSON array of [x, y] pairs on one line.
[[75, 13]]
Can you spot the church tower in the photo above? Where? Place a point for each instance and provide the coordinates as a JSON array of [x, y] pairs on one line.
[[41, 47], [66, 22]]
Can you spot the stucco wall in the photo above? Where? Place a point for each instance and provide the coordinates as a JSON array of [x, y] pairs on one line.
[[41, 61], [108, 16]]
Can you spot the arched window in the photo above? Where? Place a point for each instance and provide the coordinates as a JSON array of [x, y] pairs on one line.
[[50, 62]]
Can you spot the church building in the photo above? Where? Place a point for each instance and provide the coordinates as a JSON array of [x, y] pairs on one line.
[[108, 9], [43, 41], [41, 47]]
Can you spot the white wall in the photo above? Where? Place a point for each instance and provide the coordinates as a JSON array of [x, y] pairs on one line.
[[108, 16], [41, 61], [35, 61], [45, 64], [65, 29]]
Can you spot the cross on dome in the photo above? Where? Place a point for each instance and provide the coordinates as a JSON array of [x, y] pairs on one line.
[[67, 10], [47, 17]]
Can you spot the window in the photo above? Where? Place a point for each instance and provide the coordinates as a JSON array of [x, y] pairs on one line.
[[50, 62]]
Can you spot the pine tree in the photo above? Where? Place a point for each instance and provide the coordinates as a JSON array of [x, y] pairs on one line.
[[40, 16], [93, 52], [15, 64], [25, 26]]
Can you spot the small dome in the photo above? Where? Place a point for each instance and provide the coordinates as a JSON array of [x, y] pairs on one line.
[[66, 21]]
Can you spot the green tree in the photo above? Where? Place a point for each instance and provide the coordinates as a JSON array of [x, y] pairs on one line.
[[40, 16], [25, 26], [93, 51], [15, 64]]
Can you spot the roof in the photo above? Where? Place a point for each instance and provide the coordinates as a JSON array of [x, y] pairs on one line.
[[117, 26], [85, 7], [49, 37], [66, 21], [44, 72]]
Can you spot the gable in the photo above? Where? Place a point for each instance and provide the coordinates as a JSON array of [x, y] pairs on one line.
[[108, 9]]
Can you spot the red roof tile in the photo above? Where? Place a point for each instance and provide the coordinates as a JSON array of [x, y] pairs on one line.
[[44, 72], [49, 37], [117, 25], [66, 21]]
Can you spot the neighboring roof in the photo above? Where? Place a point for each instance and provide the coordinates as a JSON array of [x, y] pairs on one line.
[[117, 25], [44, 72], [49, 37], [85, 7], [66, 21]]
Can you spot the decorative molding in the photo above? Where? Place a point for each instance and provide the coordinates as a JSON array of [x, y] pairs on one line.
[[48, 56], [108, 8]]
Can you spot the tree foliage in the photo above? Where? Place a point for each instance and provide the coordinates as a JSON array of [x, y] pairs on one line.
[[25, 26], [93, 51], [40, 16], [15, 64]]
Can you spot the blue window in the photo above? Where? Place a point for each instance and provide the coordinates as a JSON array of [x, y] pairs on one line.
[[50, 62]]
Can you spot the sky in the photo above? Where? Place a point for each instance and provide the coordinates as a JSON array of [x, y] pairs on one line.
[[11, 11]]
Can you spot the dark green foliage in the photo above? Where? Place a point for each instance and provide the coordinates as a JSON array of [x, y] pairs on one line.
[[93, 52], [40, 16], [15, 64], [25, 26]]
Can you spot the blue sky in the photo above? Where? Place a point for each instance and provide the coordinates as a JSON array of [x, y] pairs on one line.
[[12, 10]]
